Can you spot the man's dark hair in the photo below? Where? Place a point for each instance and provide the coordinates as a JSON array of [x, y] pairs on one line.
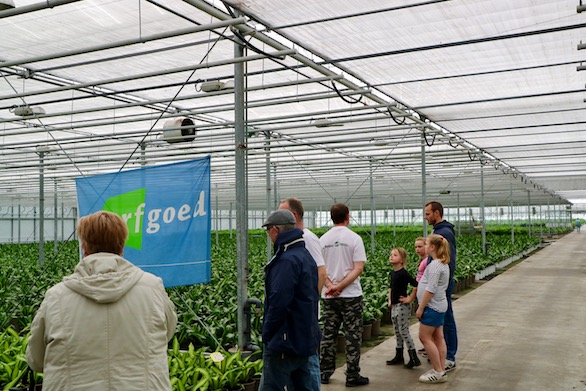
[[295, 206], [338, 213], [436, 206]]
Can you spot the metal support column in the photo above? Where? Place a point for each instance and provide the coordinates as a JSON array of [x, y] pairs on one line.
[[19, 224], [458, 202], [529, 211], [540, 221], [372, 211], [482, 214], [41, 205], [275, 189], [143, 154], [268, 186], [12, 224], [55, 213], [62, 221], [512, 217], [216, 220], [548, 220], [394, 217], [241, 190], [423, 182], [230, 220]]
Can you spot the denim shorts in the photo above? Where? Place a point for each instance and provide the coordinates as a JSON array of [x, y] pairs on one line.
[[432, 318]]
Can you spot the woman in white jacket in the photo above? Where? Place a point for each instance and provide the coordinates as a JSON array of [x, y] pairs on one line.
[[106, 326]]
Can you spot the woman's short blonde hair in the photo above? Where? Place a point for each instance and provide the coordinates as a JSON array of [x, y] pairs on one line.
[[102, 232]]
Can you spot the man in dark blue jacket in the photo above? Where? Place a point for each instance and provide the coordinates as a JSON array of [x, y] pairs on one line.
[[290, 332], [434, 214]]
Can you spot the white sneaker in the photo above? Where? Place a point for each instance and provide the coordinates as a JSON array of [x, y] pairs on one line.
[[432, 376], [450, 365]]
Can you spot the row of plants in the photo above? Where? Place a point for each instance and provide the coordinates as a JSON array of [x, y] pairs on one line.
[[198, 369], [189, 369], [207, 312], [207, 317], [13, 365]]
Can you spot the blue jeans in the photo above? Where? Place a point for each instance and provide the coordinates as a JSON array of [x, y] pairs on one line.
[[293, 373], [450, 331]]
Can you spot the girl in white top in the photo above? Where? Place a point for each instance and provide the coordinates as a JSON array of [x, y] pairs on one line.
[[431, 295]]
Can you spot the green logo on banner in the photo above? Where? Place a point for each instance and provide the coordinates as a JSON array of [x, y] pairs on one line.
[[130, 206]]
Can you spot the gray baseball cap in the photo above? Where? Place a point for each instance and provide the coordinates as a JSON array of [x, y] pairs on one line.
[[280, 217]]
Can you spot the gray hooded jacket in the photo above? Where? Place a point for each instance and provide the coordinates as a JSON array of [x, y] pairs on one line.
[[105, 327]]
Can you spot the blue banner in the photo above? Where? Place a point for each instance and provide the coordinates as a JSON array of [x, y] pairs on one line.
[[167, 210]]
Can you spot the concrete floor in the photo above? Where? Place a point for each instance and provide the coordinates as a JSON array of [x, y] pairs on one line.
[[523, 330]]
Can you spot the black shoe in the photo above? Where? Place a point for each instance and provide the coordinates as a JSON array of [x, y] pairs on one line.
[[398, 359], [357, 381], [325, 379], [413, 360]]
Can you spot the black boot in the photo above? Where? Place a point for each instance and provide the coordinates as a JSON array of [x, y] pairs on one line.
[[413, 359], [398, 359]]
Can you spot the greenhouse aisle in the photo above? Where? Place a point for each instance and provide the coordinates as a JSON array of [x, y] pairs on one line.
[[523, 330]]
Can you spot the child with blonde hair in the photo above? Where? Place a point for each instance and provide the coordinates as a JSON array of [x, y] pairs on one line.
[[420, 251], [399, 280], [433, 305]]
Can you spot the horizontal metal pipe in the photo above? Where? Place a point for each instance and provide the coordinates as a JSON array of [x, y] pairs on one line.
[[203, 6], [178, 99], [149, 74], [126, 42], [25, 9], [158, 116]]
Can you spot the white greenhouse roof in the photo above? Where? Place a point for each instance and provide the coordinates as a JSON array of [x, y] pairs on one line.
[[483, 96]]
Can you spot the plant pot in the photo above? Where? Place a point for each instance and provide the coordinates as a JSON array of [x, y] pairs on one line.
[[256, 380], [340, 343], [36, 387], [386, 316], [367, 332], [249, 386], [375, 332]]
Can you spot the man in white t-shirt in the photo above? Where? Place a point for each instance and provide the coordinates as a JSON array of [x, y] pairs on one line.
[[344, 256], [311, 239]]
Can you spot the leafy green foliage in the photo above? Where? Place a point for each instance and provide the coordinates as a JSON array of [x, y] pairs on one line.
[[207, 312], [199, 369], [13, 365]]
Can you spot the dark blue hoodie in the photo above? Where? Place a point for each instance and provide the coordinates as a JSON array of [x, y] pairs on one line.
[[446, 230], [291, 299]]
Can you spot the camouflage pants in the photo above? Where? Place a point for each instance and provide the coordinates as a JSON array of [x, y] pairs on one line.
[[347, 310]]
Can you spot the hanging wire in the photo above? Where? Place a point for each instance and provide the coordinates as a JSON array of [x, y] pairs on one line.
[[381, 162], [170, 102], [346, 99], [425, 138], [394, 118], [48, 263]]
